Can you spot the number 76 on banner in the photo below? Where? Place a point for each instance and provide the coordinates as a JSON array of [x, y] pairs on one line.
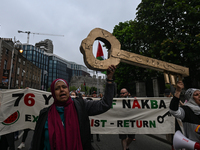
[[29, 99]]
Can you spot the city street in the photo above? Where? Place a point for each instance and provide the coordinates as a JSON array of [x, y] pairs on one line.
[[112, 142], [142, 142]]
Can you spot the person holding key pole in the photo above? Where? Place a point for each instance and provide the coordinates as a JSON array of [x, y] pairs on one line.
[[65, 124], [189, 113]]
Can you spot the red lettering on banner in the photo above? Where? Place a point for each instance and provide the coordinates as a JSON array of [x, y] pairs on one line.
[[139, 125], [136, 104], [29, 101], [92, 122]]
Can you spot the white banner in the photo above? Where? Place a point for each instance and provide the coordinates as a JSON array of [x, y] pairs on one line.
[[140, 115], [20, 108]]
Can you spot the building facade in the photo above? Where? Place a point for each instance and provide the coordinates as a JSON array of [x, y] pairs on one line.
[[23, 72], [99, 82], [34, 68], [47, 45], [52, 66], [27, 74]]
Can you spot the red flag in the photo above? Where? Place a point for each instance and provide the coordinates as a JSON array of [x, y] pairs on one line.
[[99, 55], [85, 86]]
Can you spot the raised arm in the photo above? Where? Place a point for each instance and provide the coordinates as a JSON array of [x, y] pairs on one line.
[[101, 106], [175, 110]]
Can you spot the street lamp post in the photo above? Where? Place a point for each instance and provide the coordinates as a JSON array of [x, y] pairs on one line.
[[11, 65], [43, 85], [9, 80]]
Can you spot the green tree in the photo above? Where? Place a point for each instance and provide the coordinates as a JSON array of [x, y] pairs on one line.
[[128, 33], [165, 30], [49, 89], [83, 88], [72, 88], [172, 32]]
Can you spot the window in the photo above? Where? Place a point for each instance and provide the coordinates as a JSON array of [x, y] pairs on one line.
[[5, 64], [16, 81], [21, 83], [7, 51], [19, 60], [23, 62], [18, 69], [22, 73], [12, 68]]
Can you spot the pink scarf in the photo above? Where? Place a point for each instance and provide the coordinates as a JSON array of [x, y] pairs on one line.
[[61, 138]]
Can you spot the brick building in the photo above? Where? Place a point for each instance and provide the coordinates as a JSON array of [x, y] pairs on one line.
[[23, 73]]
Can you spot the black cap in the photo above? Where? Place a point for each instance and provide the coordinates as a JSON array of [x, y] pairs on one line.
[[94, 92]]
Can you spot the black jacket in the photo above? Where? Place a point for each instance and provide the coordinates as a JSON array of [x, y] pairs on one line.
[[85, 108]]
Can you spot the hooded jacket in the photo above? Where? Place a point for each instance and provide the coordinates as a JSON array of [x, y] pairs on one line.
[[188, 114]]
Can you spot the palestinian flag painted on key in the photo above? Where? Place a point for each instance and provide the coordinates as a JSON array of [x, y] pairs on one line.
[[100, 55]]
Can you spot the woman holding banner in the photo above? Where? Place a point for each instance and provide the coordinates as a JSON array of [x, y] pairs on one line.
[[65, 124], [189, 113]]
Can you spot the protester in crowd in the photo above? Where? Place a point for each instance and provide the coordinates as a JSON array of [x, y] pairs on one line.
[[129, 94], [94, 95], [73, 93], [100, 95], [22, 145], [7, 140], [167, 93], [169, 137], [16, 135], [133, 135], [126, 139], [189, 113], [65, 124]]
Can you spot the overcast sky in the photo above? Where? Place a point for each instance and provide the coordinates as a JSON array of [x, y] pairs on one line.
[[74, 19]]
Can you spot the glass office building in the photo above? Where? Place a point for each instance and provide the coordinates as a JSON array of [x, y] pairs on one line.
[[52, 66], [58, 68]]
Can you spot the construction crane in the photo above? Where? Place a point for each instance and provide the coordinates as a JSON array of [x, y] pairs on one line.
[[28, 33]]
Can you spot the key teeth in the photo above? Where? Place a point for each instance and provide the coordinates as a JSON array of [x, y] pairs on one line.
[[173, 78]]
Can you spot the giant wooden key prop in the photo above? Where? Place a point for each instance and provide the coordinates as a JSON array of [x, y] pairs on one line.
[[115, 55]]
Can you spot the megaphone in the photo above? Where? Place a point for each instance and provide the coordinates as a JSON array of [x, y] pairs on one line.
[[180, 141]]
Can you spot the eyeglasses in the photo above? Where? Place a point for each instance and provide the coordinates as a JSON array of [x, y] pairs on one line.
[[123, 93]]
